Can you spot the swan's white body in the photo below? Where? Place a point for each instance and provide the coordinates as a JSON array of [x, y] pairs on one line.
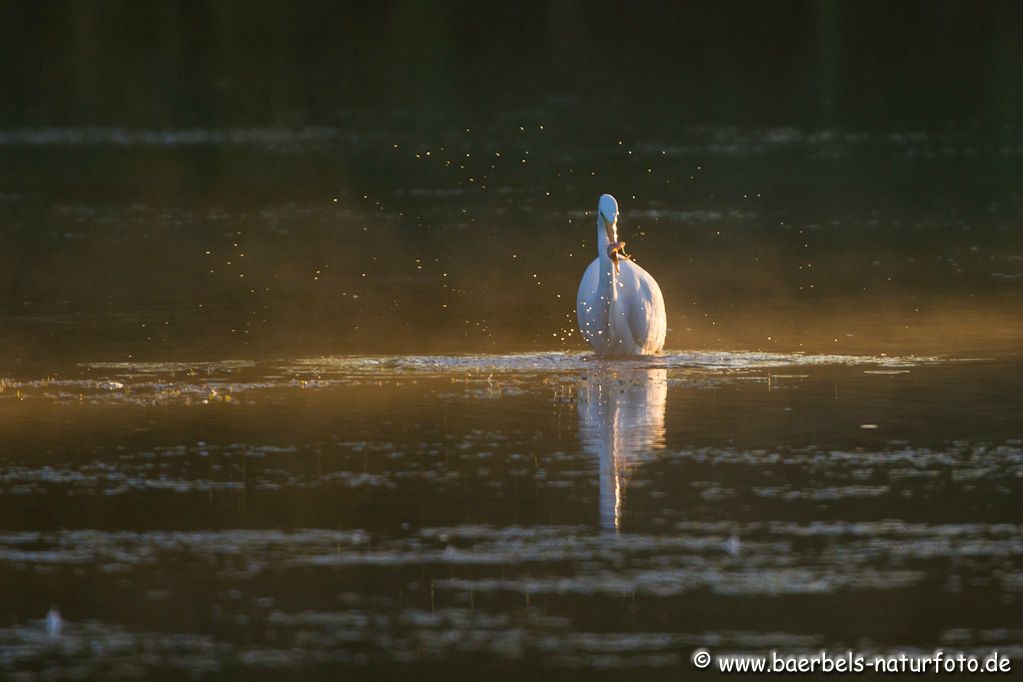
[[619, 305]]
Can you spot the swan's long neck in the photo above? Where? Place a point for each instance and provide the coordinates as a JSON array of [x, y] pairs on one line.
[[606, 290]]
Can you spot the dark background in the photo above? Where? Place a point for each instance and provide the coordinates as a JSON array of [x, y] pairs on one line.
[[825, 63]]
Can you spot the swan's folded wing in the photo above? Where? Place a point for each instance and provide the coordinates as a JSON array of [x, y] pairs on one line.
[[646, 318]]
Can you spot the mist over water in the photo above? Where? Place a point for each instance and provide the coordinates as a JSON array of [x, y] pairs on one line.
[[224, 182], [222, 243], [290, 379]]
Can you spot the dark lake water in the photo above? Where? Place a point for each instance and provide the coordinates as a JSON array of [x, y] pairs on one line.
[[298, 401], [535, 512]]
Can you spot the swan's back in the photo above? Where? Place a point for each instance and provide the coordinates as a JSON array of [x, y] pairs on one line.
[[644, 315]]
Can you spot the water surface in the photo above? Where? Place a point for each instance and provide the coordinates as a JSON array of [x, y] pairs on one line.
[[543, 512], [306, 399]]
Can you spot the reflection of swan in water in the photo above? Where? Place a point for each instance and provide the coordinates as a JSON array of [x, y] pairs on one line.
[[621, 420]]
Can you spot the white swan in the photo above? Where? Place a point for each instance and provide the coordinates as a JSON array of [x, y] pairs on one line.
[[619, 305]]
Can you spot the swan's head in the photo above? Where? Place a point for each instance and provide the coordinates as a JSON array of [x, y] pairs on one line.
[[607, 214]]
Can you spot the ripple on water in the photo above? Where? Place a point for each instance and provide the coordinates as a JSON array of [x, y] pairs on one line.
[[464, 575], [775, 525], [225, 382]]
